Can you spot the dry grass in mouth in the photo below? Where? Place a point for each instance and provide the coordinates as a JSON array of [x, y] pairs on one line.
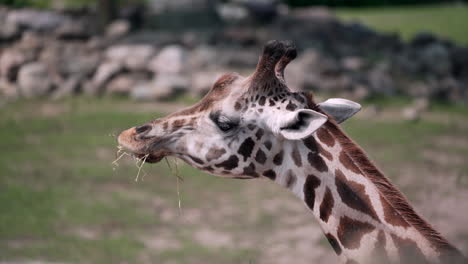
[[140, 161]]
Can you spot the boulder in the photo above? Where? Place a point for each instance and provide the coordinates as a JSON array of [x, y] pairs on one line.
[[9, 31], [80, 64], [203, 57], [380, 80], [435, 58], [105, 72], [170, 60], [69, 87], [10, 62], [35, 19], [134, 57], [352, 63], [33, 80], [73, 29], [202, 82], [123, 84], [118, 29], [162, 87]]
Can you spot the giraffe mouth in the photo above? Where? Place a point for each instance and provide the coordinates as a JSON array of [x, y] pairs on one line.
[[139, 148], [150, 158]]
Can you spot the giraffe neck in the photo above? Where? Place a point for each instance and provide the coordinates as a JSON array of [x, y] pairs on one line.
[[363, 216]]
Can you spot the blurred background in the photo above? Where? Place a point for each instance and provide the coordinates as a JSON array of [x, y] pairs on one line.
[[73, 74]]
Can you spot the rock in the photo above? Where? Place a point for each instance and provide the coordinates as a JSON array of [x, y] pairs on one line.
[[232, 12], [380, 80], [32, 42], [81, 64], [134, 57], [459, 58], [202, 82], [10, 62], [315, 13], [104, 73], [9, 31], [72, 30], [33, 80], [436, 59], [417, 89], [124, 83], [423, 39], [162, 87], [118, 29], [360, 92], [416, 109], [352, 63], [239, 58], [170, 60], [70, 87], [203, 57], [37, 20], [303, 72], [411, 114]]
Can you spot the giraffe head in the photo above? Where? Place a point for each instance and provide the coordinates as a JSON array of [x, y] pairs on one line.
[[238, 129]]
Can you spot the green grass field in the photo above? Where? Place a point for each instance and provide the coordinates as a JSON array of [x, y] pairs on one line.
[[447, 21], [61, 200]]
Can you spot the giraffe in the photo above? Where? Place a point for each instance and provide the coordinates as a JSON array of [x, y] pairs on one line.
[[255, 127]]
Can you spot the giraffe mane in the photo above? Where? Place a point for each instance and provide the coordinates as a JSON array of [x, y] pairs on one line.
[[387, 190]]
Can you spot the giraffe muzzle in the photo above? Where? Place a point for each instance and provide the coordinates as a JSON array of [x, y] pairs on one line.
[[136, 141]]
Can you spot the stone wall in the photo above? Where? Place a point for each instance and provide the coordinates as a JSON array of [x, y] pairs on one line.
[[50, 54]]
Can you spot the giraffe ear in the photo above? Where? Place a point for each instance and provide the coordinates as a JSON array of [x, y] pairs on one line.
[[340, 109], [300, 123]]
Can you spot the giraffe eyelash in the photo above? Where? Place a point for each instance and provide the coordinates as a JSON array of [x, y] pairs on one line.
[[223, 122]]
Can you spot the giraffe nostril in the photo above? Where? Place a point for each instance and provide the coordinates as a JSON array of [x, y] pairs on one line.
[[142, 129]]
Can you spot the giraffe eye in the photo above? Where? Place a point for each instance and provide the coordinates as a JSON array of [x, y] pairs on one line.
[[222, 122]]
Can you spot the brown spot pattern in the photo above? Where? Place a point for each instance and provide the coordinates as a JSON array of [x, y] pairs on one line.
[[311, 183], [350, 232], [290, 106], [380, 253], [237, 106], [353, 195], [317, 162], [195, 159], [325, 137], [290, 179], [250, 170], [391, 216], [325, 153], [270, 174], [296, 156], [230, 163], [259, 133], [268, 144], [246, 148], [408, 250], [311, 144], [260, 157], [177, 124], [262, 100], [327, 205], [278, 158], [348, 163], [251, 126], [214, 153], [334, 243]]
